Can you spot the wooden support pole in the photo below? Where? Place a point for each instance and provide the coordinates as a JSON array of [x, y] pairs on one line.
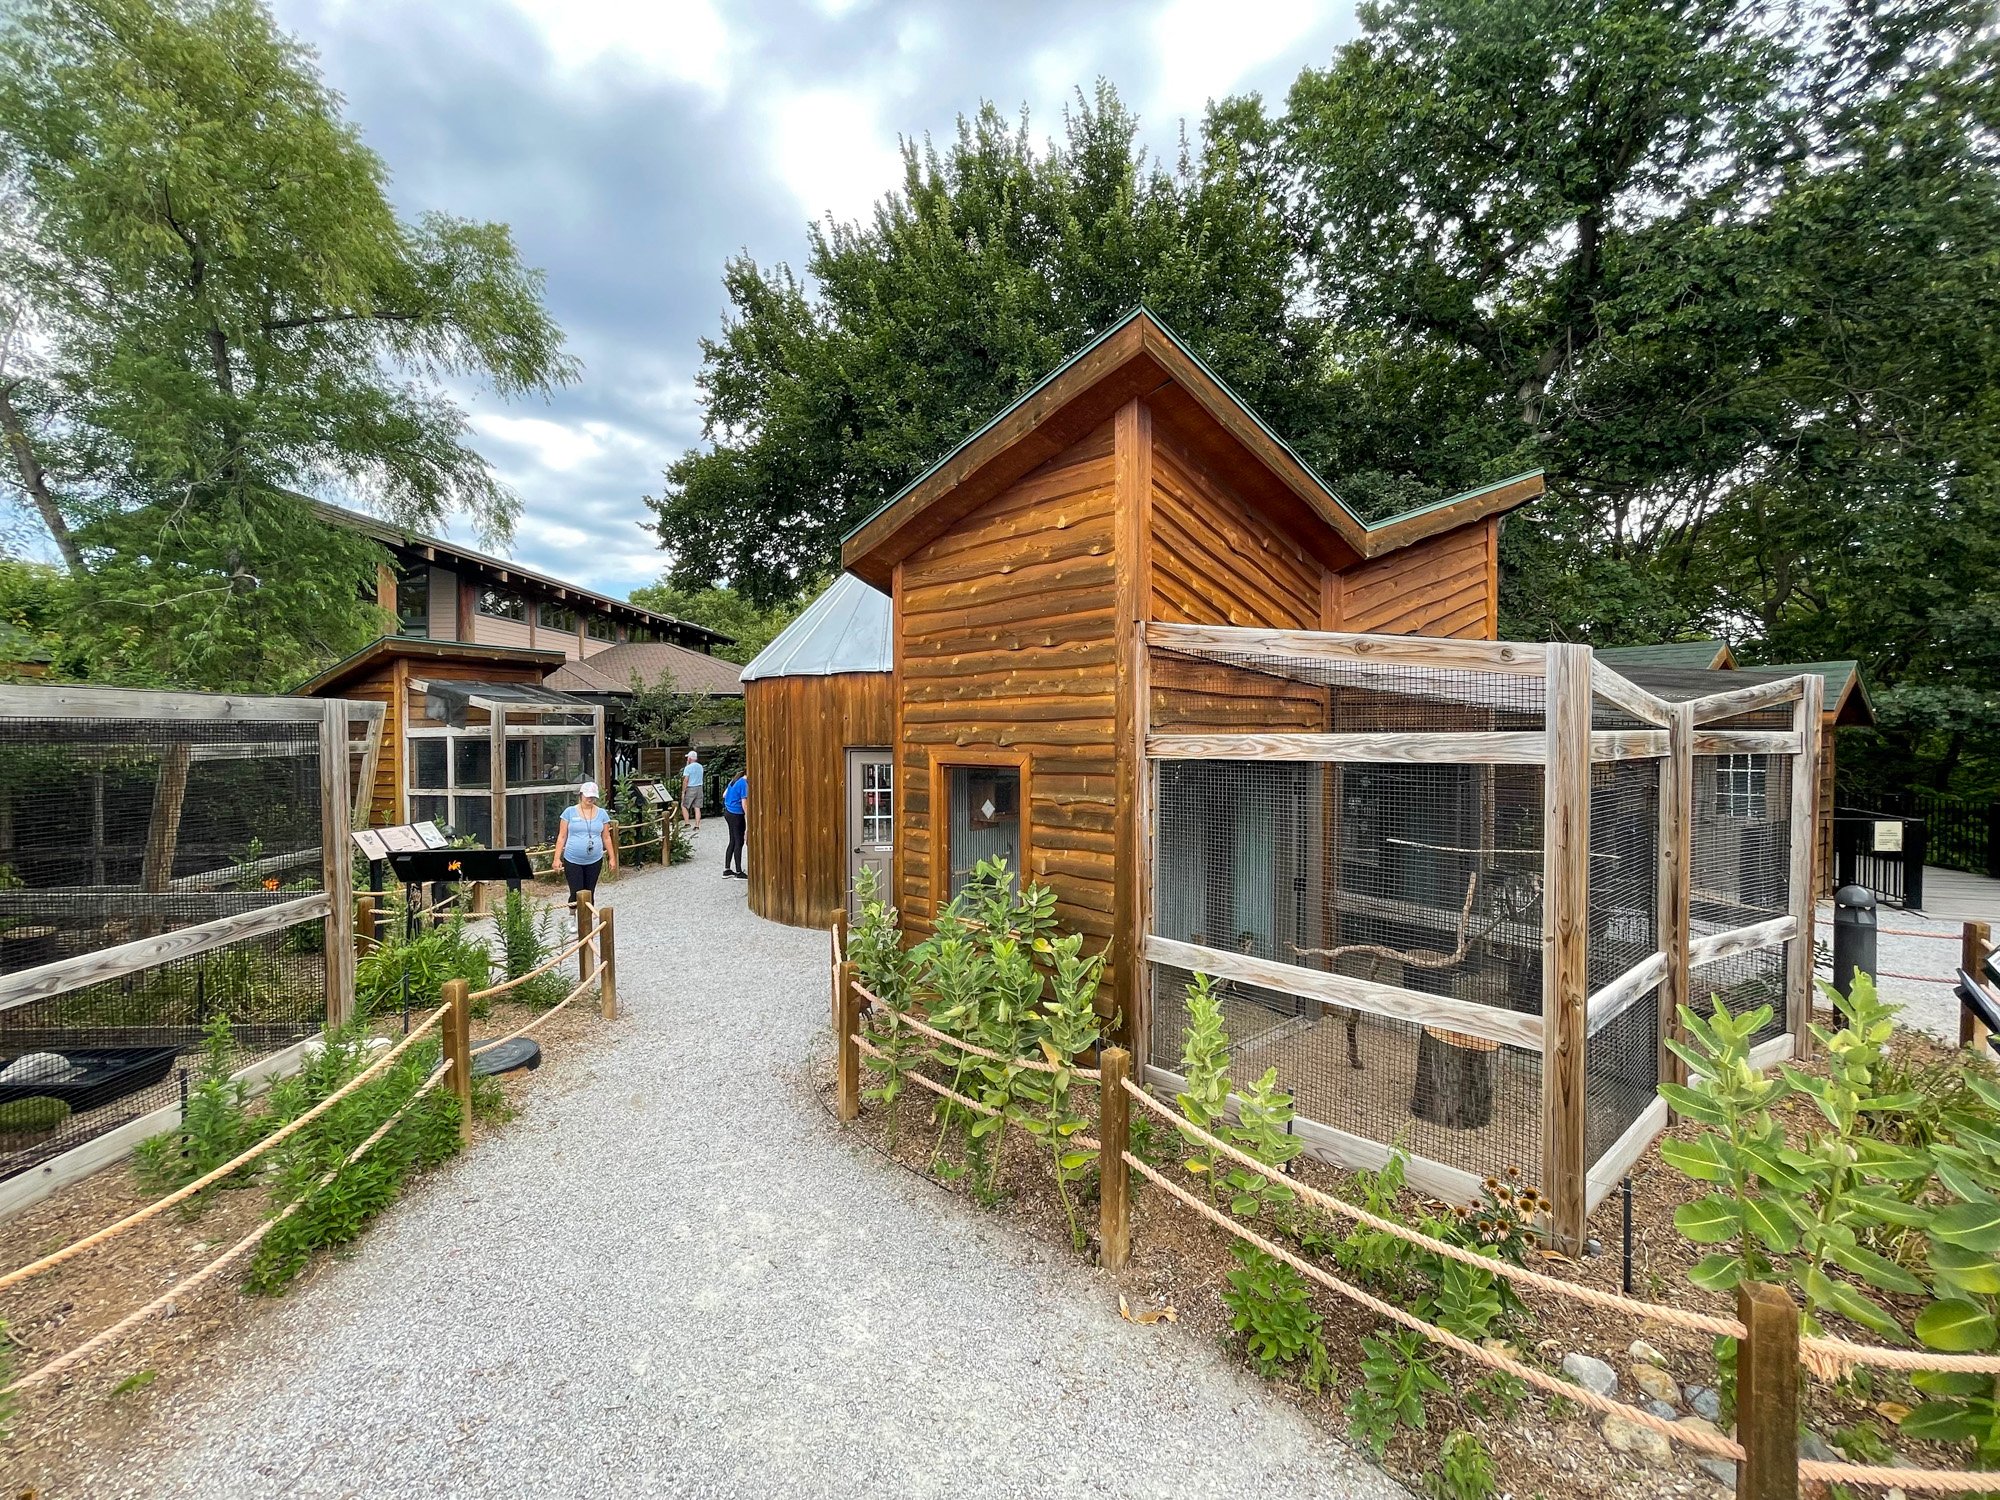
[[1975, 939], [1565, 941], [1802, 887], [607, 964], [364, 925], [586, 957], [847, 1070], [1114, 1191], [496, 740], [1676, 860], [336, 863], [458, 1051], [1767, 1394]]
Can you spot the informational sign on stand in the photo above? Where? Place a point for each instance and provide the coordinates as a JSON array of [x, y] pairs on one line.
[[654, 793], [432, 835], [368, 841]]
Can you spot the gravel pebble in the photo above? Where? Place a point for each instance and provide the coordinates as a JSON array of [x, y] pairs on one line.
[[672, 1276]]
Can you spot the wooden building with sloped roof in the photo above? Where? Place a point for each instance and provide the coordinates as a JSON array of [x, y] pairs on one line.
[[1129, 486]]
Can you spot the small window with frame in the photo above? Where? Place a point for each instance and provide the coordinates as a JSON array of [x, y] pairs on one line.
[[556, 617], [599, 628], [500, 604], [984, 820], [1741, 782]]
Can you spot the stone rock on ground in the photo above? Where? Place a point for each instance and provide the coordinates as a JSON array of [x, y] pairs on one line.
[[1646, 1354], [1656, 1384], [674, 1276], [1622, 1435], [1664, 1411], [1592, 1373], [1706, 1401], [1718, 1468]]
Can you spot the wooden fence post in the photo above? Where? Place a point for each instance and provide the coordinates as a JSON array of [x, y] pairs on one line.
[[1974, 939], [607, 960], [586, 958], [1565, 941], [1114, 1189], [1767, 1393], [847, 1071], [458, 1051], [364, 926]]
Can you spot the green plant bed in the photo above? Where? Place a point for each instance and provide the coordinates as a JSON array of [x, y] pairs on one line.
[[25, 1123]]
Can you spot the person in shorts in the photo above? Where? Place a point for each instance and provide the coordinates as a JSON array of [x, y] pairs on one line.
[[692, 776], [584, 841]]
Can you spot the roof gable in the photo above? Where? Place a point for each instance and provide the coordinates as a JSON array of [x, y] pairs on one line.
[[1138, 356], [846, 629]]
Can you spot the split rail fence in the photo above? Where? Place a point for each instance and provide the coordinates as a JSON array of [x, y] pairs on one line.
[[1771, 1351]]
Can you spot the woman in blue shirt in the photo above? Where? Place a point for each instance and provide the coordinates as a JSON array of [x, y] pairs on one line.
[[583, 842], [735, 799]]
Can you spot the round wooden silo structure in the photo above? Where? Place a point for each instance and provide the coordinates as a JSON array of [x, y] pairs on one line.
[[816, 701]]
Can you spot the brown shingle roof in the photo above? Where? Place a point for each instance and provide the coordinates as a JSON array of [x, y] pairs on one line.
[[611, 670]]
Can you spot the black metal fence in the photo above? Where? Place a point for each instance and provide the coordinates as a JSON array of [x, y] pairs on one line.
[[1963, 833], [1882, 852]]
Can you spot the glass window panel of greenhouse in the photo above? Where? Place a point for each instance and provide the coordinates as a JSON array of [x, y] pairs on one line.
[[428, 762], [472, 761]]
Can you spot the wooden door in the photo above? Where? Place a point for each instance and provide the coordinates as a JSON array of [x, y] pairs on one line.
[[871, 819]]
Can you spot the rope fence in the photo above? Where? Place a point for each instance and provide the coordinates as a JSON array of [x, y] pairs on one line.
[[1827, 1358], [542, 968], [193, 1282]]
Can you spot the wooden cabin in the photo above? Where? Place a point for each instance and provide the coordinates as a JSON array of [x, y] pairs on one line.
[[1129, 486], [471, 736]]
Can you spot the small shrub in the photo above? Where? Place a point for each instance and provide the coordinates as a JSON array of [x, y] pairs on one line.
[[214, 1126], [1270, 1304], [528, 935], [33, 1117], [418, 968], [1396, 1379], [1464, 1469]]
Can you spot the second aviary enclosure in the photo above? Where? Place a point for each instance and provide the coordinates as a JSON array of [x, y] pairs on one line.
[[1456, 891]]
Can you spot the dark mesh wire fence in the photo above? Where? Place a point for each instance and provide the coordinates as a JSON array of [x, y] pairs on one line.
[[1740, 875], [114, 831], [1621, 1061]]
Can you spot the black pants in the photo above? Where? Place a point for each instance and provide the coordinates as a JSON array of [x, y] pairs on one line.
[[732, 858], [582, 877]]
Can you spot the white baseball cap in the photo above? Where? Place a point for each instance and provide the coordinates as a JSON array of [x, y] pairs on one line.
[[588, 789], [692, 756]]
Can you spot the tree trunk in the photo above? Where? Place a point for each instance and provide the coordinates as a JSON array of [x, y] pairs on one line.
[[1454, 1079], [35, 481]]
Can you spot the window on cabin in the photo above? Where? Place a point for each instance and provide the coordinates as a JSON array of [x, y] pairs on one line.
[[985, 819], [1740, 782], [413, 600], [502, 604], [641, 633], [556, 617], [600, 628]]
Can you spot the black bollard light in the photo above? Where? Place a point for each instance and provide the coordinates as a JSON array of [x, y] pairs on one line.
[[1853, 935]]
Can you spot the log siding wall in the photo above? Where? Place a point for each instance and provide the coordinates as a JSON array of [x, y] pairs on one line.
[[1444, 586]]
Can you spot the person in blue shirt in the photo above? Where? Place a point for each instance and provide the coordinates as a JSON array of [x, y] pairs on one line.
[[583, 841], [735, 799]]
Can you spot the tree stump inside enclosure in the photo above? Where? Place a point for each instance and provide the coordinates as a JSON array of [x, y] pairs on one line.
[[1454, 1079]]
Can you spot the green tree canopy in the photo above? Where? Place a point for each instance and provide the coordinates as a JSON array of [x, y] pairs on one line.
[[1726, 272], [212, 304]]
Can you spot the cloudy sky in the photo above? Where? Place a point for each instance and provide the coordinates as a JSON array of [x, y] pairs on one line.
[[634, 144]]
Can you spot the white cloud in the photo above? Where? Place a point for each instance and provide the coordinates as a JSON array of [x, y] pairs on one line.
[[832, 151], [1205, 49], [557, 446], [685, 40]]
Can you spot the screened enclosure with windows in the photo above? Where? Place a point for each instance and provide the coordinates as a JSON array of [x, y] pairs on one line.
[[497, 762], [1454, 891]]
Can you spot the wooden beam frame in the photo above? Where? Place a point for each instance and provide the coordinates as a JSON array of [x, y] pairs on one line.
[[1625, 991], [1803, 888], [73, 701], [1506, 657], [1628, 695], [1565, 940], [1745, 700], [336, 862], [1419, 1007], [1716, 946], [1624, 1151], [1676, 858], [371, 761], [1132, 509], [1748, 741], [1470, 747], [64, 975], [1627, 744]]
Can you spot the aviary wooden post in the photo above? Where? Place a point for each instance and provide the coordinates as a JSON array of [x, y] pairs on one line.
[[1114, 1121], [458, 1051], [1803, 888], [336, 863], [1565, 939], [847, 1070], [1767, 1394], [1676, 863], [586, 960], [1975, 940], [607, 962], [364, 925]]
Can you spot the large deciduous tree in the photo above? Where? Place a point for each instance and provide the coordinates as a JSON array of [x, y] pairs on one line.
[[993, 260], [211, 304]]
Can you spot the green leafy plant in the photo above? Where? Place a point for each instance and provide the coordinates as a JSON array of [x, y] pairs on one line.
[[32, 1118], [528, 934], [417, 969], [1396, 1379], [1865, 1205], [214, 1126], [1464, 1469], [1204, 1093], [1270, 1304]]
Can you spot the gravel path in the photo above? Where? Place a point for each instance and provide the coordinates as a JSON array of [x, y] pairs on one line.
[[1928, 1002], [670, 1276]]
